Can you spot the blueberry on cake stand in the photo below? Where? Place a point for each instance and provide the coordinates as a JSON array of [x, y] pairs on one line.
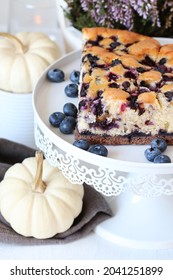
[[140, 193]]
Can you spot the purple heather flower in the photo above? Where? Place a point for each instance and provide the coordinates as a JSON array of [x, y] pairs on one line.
[[122, 12], [168, 5], [106, 13], [147, 9]]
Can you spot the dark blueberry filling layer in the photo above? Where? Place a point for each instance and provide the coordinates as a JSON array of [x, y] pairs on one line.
[[137, 133], [84, 88], [161, 68], [114, 85], [144, 84], [148, 61], [143, 89], [162, 61], [114, 38], [96, 65], [131, 135], [99, 38], [83, 104], [92, 42], [126, 85], [132, 102], [169, 95], [163, 132], [97, 107], [95, 42], [168, 78], [130, 75], [149, 122], [124, 50], [112, 76], [115, 62], [114, 45], [141, 69], [105, 125], [99, 93], [90, 57]]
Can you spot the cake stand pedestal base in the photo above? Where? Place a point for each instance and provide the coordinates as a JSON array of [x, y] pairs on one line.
[[139, 222]]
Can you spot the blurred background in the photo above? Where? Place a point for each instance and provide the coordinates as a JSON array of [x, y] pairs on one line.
[[4, 14]]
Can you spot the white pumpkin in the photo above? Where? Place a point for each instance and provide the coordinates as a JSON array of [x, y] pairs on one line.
[[23, 58], [37, 200]]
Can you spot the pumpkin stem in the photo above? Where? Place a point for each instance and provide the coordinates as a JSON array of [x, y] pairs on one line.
[[38, 184], [14, 39]]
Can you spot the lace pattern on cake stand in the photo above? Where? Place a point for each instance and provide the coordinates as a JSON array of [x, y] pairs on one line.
[[107, 181]]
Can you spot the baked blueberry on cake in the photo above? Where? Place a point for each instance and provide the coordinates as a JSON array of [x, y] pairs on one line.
[[125, 88]]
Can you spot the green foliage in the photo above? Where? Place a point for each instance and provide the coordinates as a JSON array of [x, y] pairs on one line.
[[77, 16]]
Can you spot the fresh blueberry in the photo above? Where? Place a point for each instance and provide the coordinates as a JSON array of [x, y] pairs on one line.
[[159, 143], [99, 149], [82, 144], [151, 153], [162, 159], [67, 125], [55, 75], [56, 118], [74, 76], [70, 109], [71, 90]]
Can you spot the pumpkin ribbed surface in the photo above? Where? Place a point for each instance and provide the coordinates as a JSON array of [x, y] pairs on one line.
[[39, 213], [23, 58]]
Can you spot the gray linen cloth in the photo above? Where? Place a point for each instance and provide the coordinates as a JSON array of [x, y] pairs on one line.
[[95, 208]]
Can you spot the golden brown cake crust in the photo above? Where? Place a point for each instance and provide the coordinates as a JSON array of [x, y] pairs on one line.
[[125, 36]]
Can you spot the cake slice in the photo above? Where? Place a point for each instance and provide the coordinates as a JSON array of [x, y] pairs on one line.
[[125, 89]]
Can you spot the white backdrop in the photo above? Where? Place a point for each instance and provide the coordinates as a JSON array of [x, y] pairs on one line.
[[4, 14]]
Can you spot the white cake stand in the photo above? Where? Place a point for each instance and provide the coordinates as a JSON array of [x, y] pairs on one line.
[[140, 193]]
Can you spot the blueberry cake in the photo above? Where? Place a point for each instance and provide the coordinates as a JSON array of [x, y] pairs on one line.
[[125, 88]]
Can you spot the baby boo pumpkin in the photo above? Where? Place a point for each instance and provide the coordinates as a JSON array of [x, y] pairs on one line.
[[37, 200], [23, 58]]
